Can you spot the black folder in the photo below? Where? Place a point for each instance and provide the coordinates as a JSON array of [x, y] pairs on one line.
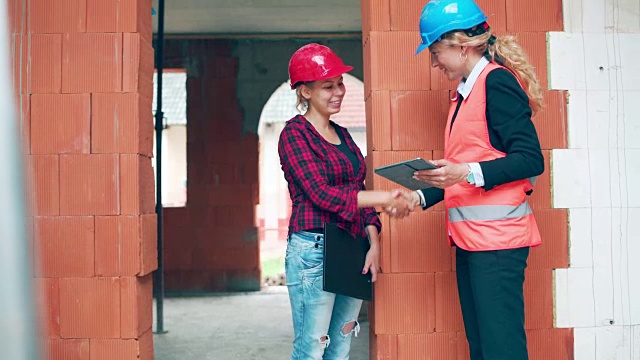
[[344, 258]]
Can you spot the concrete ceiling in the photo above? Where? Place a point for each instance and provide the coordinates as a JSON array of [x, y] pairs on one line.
[[260, 16]]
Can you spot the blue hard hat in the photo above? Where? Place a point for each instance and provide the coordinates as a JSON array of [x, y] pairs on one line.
[[442, 16]]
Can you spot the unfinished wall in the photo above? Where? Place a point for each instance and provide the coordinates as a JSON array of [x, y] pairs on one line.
[[595, 60], [416, 309], [211, 244], [82, 72]]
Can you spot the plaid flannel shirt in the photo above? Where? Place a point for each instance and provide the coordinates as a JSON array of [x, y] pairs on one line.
[[322, 183]]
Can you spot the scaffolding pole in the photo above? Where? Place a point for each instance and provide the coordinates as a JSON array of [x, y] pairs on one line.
[[159, 116]]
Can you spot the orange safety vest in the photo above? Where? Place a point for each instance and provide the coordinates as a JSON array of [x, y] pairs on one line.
[[480, 220]]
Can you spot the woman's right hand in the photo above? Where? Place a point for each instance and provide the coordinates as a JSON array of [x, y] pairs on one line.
[[401, 203]]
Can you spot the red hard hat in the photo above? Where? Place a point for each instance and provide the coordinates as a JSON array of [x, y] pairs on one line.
[[315, 62]]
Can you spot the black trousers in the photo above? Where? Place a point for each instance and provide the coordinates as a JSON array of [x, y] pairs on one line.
[[490, 286]]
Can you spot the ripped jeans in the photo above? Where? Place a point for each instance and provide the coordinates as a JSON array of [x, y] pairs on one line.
[[320, 318]]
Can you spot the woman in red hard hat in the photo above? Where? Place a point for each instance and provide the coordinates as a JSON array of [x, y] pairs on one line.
[[492, 156], [325, 171]]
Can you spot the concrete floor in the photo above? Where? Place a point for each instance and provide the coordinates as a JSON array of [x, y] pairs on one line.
[[247, 326]]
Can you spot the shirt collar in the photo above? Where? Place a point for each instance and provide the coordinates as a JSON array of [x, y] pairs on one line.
[[466, 85]]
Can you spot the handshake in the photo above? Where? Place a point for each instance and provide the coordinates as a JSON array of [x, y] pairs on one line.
[[400, 203]]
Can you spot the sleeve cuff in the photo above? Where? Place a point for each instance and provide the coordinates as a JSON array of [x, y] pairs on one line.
[[423, 201], [478, 177]]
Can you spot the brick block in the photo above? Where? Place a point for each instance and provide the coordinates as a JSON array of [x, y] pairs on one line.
[[145, 344], [448, 313], [554, 251], [405, 304], [178, 236], [72, 349], [92, 63], [538, 299], [405, 16], [47, 295], [221, 196], [463, 347], [418, 119], [375, 16], [551, 122], [136, 299], [116, 124], [208, 281], [20, 63], [90, 308], [64, 246], [385, 243], [441, 346], [14, 16], [381, 158], [45, 185], [60, 124], [223, 216], [63, 16], [366, 63], [89, 184], [392, 64], [110, 349], [24, 121], [534, 45], [145, 123], [541, 197], [419, 244], [114, 16], [46, 63], [383, 347], [556, 344], [548, 15], [496, 11], [137, 185], [131, 66], [223, 248], [149, 243], [143, 21], [378, 112], [117, 245]]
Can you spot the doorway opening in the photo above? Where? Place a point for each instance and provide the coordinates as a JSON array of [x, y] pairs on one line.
[[174, 136], [274, 208]]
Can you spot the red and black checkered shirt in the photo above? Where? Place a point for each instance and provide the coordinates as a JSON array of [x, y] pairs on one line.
[[322, 183]]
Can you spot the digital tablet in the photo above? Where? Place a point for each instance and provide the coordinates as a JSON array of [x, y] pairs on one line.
[[402, 173]]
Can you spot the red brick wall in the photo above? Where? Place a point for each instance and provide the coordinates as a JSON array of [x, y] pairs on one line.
[[212, 243], [416, 309], [82, 70]]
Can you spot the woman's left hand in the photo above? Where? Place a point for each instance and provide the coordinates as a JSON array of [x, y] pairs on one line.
[[445, 175], [372, 262]]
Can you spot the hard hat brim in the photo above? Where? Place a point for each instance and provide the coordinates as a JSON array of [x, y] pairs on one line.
[[332, 73], [420, 48]]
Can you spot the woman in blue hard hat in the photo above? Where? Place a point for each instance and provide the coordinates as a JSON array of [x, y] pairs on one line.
[[492, 156], [325, 172]]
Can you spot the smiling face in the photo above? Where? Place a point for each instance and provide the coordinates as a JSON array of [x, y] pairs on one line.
[[448, 59], [325, 96]]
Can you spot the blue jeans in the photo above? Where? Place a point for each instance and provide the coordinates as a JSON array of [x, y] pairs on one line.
[[319, 317]]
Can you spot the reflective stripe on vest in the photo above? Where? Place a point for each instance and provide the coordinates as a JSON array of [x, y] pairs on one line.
[[488, 212]]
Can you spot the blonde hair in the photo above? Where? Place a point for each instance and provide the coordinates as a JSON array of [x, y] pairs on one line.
[[507, 52], [302, 104]]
